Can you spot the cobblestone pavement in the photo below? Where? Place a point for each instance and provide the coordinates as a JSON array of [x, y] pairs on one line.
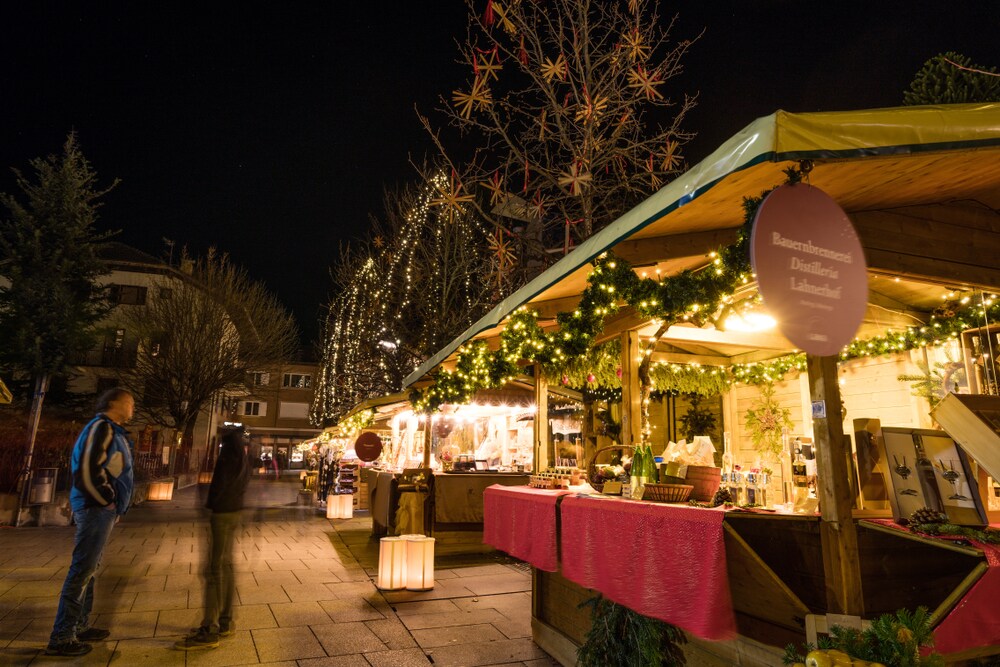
[[304, 586]]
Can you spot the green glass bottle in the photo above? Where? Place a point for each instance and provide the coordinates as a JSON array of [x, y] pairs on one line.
[[637, 474], [652, 470]]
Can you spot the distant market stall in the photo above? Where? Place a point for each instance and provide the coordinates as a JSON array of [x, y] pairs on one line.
[[658, 323]]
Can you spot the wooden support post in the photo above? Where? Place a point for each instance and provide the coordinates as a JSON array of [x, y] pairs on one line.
[[588, 434], [427, 441], [841, 565], [542, 446], [631, 392]]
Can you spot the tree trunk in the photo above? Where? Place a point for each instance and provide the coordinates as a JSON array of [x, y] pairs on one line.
[[41, 386]]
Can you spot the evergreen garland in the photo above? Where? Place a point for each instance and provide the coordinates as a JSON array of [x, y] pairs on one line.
[[941, 82], [567, 355], [620, 636]]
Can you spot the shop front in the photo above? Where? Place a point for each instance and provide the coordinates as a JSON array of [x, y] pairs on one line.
[[833, 482]]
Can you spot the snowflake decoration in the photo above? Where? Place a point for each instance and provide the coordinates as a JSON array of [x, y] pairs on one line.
[[670, 159], [495, 186], [488, 64], [501, 13], [575, 180], [378, 241], [593, 108], [478, 98], [635, 46], [645, 82], [538, 205], [451, 198], [555, 70]]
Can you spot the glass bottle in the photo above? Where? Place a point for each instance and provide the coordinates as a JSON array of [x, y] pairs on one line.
[[751, 488], [727, 454], [801, 482], [637, 475]]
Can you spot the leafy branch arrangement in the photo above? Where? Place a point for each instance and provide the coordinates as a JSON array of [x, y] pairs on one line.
[[765, 421], [892, 639], [620, 636]]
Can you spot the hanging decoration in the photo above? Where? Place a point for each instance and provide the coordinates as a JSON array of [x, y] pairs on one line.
[[495, 186], [645, 82], [476, 99], [575, 179], [451, 198], [635, 47], [487, 64], [670, 159], [557, 69]]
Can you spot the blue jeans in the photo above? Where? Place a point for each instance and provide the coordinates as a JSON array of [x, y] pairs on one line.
[[93, 528], [220, 586]]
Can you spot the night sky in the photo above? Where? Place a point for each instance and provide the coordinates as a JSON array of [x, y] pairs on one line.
[[269, 129]]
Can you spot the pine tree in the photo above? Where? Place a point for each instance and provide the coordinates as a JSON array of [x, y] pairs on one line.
[[48, 256], [958, 81]]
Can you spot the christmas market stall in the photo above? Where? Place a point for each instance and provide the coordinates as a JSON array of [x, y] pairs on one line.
[[785, 362]]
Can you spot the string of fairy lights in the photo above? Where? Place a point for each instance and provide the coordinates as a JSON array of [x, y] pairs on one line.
[[567, 354], [372, 317]]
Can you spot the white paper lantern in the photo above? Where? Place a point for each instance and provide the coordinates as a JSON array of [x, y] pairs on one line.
[[419, 562], [339, 506], [391, 564]]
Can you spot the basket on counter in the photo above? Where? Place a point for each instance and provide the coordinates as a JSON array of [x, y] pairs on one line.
[[592, 465], [667, 493]]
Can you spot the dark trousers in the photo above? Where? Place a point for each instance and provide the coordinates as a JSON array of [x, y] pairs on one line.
[[220, 587], [93, 529]]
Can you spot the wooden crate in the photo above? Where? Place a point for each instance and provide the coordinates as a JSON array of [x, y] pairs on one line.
[[361, 496]]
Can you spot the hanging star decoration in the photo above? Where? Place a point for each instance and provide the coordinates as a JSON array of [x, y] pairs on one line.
[[538, 205], [555, 70], [670, 159], [575, 179], [451, 198], [478, 98], [495, 186], [378, 241], [654, 180], [633, 6], [488, 64], [635, 46], [645, 82], [503, 251], [591, 110], [500, 12]]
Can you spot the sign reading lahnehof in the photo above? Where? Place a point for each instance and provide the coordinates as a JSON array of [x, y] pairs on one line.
[[810, 268]]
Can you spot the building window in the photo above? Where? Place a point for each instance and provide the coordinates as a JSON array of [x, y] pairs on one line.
[[254, 409], [128, 295], [260, 379], [288, 410], [296, 380]]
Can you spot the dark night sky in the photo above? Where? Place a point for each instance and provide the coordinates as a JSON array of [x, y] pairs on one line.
[[269, 129]]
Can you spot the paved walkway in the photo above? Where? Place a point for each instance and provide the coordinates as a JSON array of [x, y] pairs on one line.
[[304, 585]]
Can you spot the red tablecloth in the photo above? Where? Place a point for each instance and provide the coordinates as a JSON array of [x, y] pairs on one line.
[[666, 562], [521, 521], [975, 620]]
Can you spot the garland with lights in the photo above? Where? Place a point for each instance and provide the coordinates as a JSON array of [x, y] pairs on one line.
[[566, 355], [356, 423]]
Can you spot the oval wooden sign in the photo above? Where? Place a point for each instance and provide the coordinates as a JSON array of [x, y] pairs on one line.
[[368, 446]]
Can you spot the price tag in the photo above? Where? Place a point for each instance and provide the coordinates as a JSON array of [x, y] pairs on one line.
[[612, 488]]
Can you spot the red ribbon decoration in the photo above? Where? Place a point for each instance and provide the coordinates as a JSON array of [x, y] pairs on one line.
[[488, 15], [523, 53], [566, 243]]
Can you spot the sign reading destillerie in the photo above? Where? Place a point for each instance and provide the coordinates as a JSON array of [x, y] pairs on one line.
[[810, 268]]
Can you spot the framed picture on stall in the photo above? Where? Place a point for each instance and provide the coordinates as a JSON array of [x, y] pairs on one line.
[[927, 469]]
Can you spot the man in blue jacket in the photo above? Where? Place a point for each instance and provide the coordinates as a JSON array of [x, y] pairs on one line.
[[101, 493]]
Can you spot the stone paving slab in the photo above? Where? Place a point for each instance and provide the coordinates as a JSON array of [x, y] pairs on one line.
[[305, 594]]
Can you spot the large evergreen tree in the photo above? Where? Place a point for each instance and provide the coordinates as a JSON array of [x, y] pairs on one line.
[[952, 78], [51, 303]]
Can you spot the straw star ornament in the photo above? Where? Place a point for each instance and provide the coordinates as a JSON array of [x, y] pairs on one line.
[[635, 46], [488, 64], [478, 98], [555, 70], [576, 179], [645, 82], [495, 186], [592, 109], [452, 199], [669, 157]]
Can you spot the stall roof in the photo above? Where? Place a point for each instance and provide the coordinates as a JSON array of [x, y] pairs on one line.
[[866, 160]]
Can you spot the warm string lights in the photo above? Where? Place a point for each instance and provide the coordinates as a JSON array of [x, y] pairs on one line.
[[378, 328], [567, 356]]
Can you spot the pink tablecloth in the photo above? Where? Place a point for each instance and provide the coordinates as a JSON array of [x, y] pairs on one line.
[[666, 562], [522, 522]]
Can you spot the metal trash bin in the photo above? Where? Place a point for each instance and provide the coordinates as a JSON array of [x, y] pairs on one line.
[[43, 486]]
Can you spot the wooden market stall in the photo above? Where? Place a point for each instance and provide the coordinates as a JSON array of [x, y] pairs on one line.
[[921, 186]]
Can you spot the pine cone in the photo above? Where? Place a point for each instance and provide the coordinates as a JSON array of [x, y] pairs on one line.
[[721, 497], [927, 515]]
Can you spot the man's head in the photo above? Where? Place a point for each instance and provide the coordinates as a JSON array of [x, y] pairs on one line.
[[117, 405]]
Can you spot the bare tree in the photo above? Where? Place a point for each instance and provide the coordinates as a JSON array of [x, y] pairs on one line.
[[570, 110], [201, 334]]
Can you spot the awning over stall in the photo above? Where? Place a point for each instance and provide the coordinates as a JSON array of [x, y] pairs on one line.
[[869, 161]]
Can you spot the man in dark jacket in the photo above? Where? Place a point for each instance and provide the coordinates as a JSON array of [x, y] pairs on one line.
[[225, 499], [102, 490]]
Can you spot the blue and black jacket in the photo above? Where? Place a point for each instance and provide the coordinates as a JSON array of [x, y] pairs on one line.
[[102, 466]]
